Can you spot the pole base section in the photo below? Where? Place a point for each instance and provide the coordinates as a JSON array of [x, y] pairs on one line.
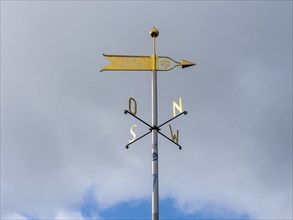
[[155, 216]]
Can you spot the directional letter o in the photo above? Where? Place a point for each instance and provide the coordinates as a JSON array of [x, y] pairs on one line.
[[135, 106]]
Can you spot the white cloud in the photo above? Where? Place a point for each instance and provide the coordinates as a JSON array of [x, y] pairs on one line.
[[60, 215], [63, 215], [14, 216]]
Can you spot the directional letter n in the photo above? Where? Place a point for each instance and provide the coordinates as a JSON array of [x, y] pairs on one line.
[[178, 107]]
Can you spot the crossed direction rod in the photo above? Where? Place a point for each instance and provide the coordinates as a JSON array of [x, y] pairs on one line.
[[151, 128]]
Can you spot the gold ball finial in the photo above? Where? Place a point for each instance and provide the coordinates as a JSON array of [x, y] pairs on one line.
[[154, 32]]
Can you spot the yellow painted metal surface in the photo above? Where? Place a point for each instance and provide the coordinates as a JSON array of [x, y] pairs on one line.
[[128, 63]]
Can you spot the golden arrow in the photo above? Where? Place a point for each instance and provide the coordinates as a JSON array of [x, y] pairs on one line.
[[165, 63], [142, 63]]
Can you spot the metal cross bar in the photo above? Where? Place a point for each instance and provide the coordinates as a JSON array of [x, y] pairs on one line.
[[127, 146], [185, 113], [125, 112], [170, 140]]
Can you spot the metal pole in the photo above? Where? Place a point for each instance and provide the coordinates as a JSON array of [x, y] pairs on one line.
[[155, 174], [149, 63]]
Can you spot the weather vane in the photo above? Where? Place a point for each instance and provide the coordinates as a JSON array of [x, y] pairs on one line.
[[152, 63]]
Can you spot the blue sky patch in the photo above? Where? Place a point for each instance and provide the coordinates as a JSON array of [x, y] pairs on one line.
[[141, 209]]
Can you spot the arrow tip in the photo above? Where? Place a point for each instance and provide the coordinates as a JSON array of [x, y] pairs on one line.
[[185, 63]]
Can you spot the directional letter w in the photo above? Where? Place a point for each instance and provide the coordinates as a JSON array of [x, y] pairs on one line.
[[175, 137]]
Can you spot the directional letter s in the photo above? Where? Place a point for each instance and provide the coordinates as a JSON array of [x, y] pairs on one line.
[[132, 132]]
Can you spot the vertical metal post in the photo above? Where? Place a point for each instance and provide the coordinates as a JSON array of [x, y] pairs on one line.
[[155, 174]]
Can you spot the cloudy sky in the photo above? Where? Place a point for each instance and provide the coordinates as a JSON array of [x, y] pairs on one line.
[[63, 131]]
